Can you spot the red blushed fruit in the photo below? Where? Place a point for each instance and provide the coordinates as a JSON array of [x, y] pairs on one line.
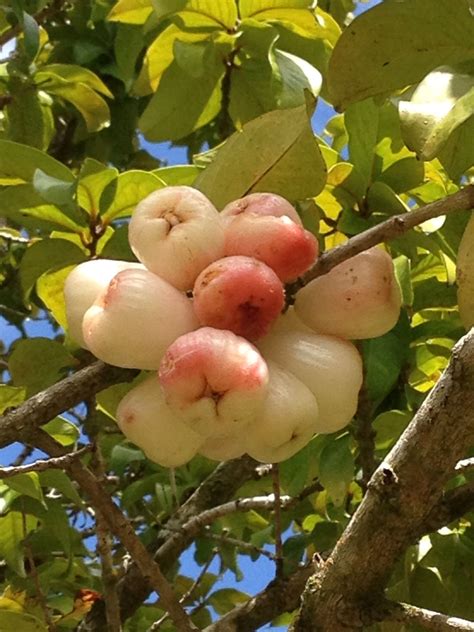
[[240, 294], [279, 242]]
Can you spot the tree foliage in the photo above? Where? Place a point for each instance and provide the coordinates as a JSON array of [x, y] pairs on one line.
[[92, 527]]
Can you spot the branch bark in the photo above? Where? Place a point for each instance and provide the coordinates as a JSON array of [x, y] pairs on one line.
[[120, 526], [392, 228], [42, 407], [401, 494], [427, 619]]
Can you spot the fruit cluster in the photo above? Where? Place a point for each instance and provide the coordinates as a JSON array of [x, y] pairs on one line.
[[204, 310]]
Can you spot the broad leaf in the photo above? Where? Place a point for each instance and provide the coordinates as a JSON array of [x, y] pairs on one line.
[[131, 11], [336, 468], [36, 363], [64, 431], [465, 276], [177, 175], [440, 103], [45, 255], [222, 13], [18, 163], [14, 527], [457, 156], [273, 153], [49, 288], [396, 44], [26, 484], [15, 620], [183, 103], [122, 195], [11, 396]]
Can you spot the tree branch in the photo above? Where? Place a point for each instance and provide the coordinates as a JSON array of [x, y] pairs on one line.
[[120, 526], [18, 423], [401, 494], [42, 16], [134, 588], [427, 619], [40, 465], [391, 228]]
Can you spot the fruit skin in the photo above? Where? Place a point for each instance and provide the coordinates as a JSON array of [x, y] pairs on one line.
[[240, 294], [279, 242], [261, 204], [82, 287], [215, 381], [330, 367], [357, 299], [145, 419], [176, 232], [224, 448], [135, 319], [288, 421]]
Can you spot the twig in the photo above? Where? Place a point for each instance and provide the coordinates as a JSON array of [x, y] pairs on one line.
[[123, 530], [427, 619], [391, 228], [67, 393], [58, 463], [186, 596], [104, 549], [40, 596], [277, 529], [174, 487]]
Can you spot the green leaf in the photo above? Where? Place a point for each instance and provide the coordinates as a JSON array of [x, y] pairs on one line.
[[64, 431], [131, 11], [14, 527], [183, 103], [18, 620], [31, 35], [274, 152], [37, 363], [91, 186], [160, 55], [226, 599], [388, 427], [395, 44], [457, 156], [28, 121], [252, 7], [295, 75], [45, 255], [439, 104], [18, 163], [27, 485], [222, 13], [121, 196], [92, 106], [11, 396], [361, 121], [56, 75], [177, 175], [53, 190], [49, 287], [465, 276], [336, 468], [127, 47], [58, 480], [251, 86], [402, 267], [383, 361]]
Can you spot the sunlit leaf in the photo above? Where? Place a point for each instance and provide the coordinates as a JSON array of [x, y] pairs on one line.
[[395, 44], [273, 153], [120, 198], [131, 11], [14, 527], [336, 468], [19, 162]]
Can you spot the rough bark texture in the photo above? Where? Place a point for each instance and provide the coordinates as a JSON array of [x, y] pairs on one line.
[[17, 424], [401, 494]]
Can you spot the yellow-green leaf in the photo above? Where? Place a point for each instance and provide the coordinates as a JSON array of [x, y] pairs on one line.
[[131, 11]]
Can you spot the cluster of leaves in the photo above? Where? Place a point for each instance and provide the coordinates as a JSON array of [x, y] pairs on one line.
[[84, 81]]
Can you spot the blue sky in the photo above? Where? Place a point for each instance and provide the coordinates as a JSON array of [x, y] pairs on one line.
[[257, 575]]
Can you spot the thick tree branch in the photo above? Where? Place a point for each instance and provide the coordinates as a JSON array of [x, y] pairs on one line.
[[427, 619], [41, 408], [401, 494], [281, 595], [391, 228], [120, 526]]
